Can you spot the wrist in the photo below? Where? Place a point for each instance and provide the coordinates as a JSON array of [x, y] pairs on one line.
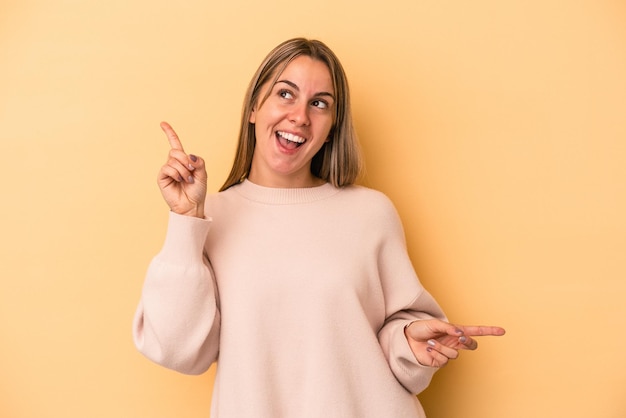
[[197, 212]]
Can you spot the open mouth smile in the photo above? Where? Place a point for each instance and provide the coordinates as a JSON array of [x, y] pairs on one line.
[[289, 140]]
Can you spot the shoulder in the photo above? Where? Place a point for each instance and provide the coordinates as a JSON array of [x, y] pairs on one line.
[[370, 205], [220, 202], [373, 211], [370, 198], [222, 196]]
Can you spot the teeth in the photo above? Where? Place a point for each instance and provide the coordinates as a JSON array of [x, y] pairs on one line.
[[291, 137]]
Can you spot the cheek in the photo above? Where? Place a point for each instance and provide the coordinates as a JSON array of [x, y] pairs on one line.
[[267, 116], [326, 128]]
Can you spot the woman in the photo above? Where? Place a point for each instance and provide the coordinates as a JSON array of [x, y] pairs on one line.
[[295, 280]]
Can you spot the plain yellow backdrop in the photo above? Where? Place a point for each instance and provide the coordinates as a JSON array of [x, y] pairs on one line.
[[497, 128]]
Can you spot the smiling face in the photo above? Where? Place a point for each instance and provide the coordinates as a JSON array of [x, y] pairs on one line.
[[292, 125]]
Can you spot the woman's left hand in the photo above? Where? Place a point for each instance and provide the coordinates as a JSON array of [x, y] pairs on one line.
[[436, 342]]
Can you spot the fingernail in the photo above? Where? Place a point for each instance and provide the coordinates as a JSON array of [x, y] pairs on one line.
[[429, 349], [193, 158], [458, 331], [180, 178], [190, 179], [463, 339], [191, 167], [431, 343]]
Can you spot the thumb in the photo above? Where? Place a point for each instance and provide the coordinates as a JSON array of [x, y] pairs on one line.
[[196, 164], [423, 330]]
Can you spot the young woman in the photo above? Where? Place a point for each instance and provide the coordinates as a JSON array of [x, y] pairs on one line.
[[295, 280]]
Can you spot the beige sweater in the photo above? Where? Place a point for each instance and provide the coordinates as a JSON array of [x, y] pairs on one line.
[[300, 295]]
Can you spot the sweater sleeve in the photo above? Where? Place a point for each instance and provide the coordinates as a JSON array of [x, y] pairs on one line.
[[406, 300], [177, 322]]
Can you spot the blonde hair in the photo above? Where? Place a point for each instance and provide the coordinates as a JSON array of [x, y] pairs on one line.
[[339, 160]]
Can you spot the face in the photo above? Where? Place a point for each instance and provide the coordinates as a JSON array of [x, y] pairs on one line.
[[292, 125]]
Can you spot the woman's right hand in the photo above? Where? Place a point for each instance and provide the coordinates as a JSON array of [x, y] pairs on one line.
[[183, 178]]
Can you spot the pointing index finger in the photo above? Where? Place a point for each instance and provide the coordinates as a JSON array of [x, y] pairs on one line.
[[172, 137], [478, 331]]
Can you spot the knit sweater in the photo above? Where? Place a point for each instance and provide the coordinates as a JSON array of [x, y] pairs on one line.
[[300, 295]]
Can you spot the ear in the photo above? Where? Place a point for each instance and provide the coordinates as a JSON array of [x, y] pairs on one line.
[[330, 134], [252, 119]]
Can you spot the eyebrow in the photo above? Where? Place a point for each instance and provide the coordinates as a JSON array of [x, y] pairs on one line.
[[295, 87]]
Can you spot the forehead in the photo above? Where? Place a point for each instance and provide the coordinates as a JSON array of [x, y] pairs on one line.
[[308, 73]]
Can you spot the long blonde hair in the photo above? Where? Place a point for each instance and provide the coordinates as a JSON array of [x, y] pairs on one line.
[[339, 160]]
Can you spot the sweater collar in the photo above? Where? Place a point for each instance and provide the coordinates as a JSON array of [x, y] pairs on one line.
[[277, 196]]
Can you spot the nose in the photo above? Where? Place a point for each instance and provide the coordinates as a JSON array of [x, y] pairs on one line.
[[299, 115]]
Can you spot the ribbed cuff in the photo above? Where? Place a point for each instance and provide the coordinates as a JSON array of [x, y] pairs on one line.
[[185, 239]]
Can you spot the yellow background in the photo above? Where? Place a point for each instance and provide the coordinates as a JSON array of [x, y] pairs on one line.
[[497, 128]]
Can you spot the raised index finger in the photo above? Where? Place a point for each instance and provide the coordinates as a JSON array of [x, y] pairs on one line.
[[172, 137]]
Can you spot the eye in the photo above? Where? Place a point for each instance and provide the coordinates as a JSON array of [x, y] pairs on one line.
[[285, 94], [320, 104]]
